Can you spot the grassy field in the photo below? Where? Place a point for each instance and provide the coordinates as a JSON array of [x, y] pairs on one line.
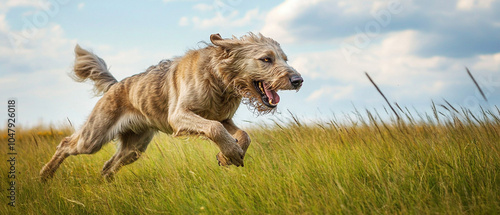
[[441, 163]]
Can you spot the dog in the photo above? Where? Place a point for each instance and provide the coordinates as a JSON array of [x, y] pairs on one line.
[[196, 94]]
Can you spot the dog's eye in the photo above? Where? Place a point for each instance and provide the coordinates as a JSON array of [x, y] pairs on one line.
[[267, 60]]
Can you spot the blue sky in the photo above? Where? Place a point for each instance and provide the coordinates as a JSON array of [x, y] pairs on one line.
[[416, 51]]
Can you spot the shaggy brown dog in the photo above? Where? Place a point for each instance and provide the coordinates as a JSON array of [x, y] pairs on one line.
[[194, 94]]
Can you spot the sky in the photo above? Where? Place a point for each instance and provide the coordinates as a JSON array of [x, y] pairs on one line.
[[416, 51]]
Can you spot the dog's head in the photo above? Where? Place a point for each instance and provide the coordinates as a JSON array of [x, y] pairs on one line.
[[257, 68]]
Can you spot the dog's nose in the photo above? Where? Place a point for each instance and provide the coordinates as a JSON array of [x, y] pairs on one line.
[[296, 81]]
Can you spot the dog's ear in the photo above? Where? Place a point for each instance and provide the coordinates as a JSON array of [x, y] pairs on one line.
[[215, 37], [217, 40]]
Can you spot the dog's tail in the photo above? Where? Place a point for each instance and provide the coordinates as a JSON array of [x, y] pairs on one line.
[[90, 66]]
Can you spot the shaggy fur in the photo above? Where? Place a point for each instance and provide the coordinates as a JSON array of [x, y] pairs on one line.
[[195, 94]]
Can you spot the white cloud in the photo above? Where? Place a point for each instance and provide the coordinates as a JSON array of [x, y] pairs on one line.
[[7, 5], [320, 19], [81, 5], [231, 20], [203, 7], [41, 50], [331, 93], [393, 66], [277, 19], [488, 62], [249, 17], [3, 23], [471, 4], [129, 62], [184, 21]]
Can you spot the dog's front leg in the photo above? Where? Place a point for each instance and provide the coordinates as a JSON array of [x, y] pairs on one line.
[[240, 135], [190, 123]]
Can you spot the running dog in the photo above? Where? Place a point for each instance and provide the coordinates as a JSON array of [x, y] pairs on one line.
[[196, 94]]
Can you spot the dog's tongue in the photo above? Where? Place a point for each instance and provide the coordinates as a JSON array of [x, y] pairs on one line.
[[274, 98]]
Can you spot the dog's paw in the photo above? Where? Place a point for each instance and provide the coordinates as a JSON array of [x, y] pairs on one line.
[[46, 174], [233, 155], [108, 176], [222, 160]]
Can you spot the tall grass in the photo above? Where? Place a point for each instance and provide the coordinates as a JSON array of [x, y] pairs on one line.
[[445, 162]]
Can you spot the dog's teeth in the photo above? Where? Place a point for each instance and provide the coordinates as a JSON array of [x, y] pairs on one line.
[[260, 86], [271, 102]]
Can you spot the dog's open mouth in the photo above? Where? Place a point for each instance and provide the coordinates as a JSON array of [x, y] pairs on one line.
[[269, 97]]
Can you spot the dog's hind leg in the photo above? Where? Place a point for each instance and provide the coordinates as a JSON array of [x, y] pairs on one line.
[[237, 133], [96, 132], [61, 153], [130, 148], [78, 143]]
